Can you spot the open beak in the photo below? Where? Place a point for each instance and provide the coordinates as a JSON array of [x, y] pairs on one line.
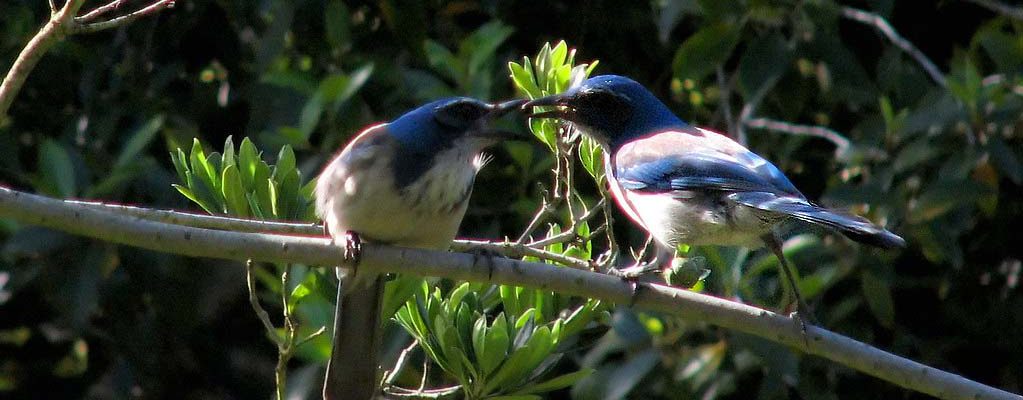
[[561, 110], [485, 127]]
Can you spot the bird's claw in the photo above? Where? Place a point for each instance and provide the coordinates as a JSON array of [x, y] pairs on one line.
[[634, 272], [485, 255], [353, 247]]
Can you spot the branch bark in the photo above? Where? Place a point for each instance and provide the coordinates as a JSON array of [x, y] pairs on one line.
[[197, 242], [63, 22], [886, 29]]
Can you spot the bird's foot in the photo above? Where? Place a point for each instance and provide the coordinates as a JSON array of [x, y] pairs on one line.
[[632, 275], [485, 256], [634, 272], [803, 316], [353, 247]]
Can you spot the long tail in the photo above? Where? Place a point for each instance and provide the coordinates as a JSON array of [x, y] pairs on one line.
[[352, 369], [852, 226]]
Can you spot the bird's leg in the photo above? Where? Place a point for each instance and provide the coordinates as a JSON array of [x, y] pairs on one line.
[[634, 273], [803, 313], [640, 268], [353, 248]]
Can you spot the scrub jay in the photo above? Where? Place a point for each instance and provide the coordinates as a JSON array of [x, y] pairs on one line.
[[404, 183], [689, 185]]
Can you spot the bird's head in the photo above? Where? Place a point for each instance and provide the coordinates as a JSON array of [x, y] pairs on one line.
[[609, 108], [456, 121]]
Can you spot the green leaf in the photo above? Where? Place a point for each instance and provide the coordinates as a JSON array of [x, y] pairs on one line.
[[559, 382], [300, 292], [56, 172], [442, 60], [248, 158], [480, 47], [878, 293], [229, 157], [702, 52], [763, 64], [203, 176], [496, 344], [234, 193], [201, 194], [139, 140], [180, 161], [336, 23], [1005, 160]]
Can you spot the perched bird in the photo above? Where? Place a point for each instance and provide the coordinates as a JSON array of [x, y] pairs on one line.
[[689, 185], [404, 183]]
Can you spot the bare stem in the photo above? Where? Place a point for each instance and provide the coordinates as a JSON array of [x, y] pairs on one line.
[[62, 23], [124, 19], [886, 29], [841, 143]]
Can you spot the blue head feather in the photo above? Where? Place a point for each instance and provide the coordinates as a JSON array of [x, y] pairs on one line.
[[618, 109], [429, 130]]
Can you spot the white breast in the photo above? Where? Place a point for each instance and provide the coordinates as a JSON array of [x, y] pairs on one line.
[[426, 214]]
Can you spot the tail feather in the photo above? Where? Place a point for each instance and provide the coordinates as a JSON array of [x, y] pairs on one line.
[[352, 369], [852, 226]]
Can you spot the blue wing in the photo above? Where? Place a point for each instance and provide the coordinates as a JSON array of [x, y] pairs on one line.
[[705, 171]]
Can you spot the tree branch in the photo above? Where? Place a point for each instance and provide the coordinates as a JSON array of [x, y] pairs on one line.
[[62, 23], [122, 20], [888, 31], [841, 143], [195, 220], [196, 242]]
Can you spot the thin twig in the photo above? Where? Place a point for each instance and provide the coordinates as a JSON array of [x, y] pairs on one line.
[[1007, 10], [545, 210], [197, 220], [514, 250], [124, 19], [76, 219], [264, 317], [569, 234], [62, 23], [397, 391], [399, 365], [882, 25], [99, 11], [311, 336], [841, 143]]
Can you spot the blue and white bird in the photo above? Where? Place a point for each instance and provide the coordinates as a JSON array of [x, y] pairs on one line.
[[688, 185], [404, 183]]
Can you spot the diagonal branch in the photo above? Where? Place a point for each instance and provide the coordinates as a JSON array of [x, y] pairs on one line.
[[882, 25], [83, 27], [63, 22], [841, 143], [108, 226]]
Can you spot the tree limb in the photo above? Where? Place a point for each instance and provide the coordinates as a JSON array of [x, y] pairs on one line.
[[196, 242], [62, 23], [882, 25]]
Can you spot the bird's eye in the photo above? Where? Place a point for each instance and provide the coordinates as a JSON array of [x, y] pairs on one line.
[[460, 113], [601, 101]]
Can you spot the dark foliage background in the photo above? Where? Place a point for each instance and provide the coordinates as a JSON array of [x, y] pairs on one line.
[[940, 165]]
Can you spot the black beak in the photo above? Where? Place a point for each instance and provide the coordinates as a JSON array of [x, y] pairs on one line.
[[558, 101], [484, 123]]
